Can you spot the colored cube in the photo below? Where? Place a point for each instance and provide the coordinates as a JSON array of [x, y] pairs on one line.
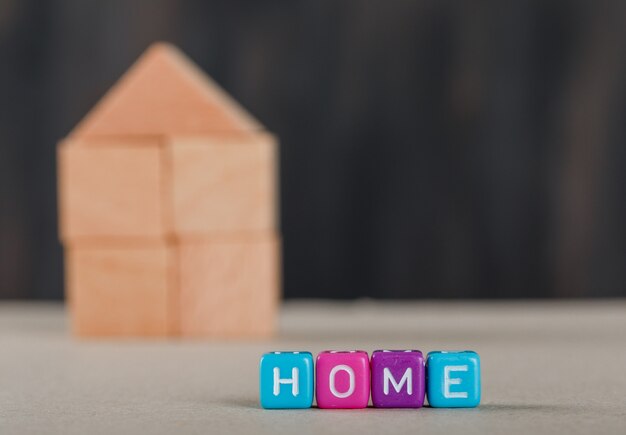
[[343, 379], [286, 380], [453, 379], [398, 378]]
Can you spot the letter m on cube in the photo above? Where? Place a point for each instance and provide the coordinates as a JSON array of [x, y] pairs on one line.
[[286, 380]]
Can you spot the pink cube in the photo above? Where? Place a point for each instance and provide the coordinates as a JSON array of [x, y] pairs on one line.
[[342, 379]]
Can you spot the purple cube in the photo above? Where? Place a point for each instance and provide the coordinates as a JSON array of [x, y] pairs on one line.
[[398, 379]]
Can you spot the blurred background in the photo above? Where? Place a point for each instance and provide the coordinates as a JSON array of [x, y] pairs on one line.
[[430, 149]]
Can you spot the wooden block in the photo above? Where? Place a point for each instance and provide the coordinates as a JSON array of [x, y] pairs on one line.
[[164, 93], [229, 288], [166, 172], [113, 188], [121, 290], [224, 184]]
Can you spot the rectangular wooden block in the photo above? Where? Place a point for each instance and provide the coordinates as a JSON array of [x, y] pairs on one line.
[[224, 184], [229, 288], [121, 290], [111, 188]]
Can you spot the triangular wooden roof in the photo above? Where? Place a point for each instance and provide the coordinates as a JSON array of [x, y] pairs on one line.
[[164, 93]]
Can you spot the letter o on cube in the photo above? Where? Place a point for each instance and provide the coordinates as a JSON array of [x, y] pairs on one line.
[[286, 380], [343, 379], [453, 379]]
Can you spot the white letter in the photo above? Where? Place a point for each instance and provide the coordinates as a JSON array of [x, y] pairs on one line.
[[406, 378], [447, 381], [333, 372], [293, 381]]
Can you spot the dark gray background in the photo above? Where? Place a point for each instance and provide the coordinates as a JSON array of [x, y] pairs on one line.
[[429, 148]]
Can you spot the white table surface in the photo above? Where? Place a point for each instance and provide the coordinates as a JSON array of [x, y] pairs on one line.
[[547, 367]]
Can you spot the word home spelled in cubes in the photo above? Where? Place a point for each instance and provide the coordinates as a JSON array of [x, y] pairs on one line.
[[393, 378]]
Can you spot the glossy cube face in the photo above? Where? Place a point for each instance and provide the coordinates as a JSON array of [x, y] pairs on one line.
[[286, 380], [343, 379], [398, 379], [453, 379]]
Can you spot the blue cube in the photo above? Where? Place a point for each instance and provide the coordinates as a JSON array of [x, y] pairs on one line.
[[453, 379], [286, 380]]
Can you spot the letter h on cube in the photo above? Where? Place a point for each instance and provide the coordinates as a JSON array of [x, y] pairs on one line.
[[286, 380]]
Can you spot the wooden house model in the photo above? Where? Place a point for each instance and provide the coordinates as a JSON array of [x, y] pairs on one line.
[[168, 209]]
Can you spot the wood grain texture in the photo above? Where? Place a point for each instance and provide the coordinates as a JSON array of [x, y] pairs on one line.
[[121, 291], [164, 93], [224, 184], [229, 289], [114, 189]]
